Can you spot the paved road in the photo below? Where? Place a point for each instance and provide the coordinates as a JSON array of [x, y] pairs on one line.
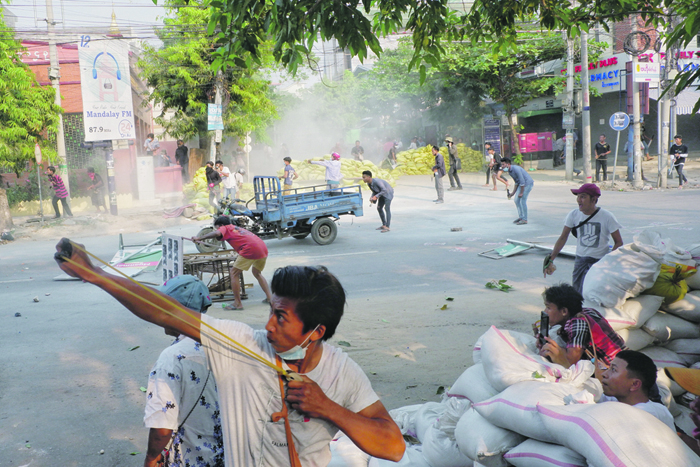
[[69, 385]]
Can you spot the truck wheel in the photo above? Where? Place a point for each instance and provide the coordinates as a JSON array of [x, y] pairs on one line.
[[210, 245], [301, 236], [324, 231]]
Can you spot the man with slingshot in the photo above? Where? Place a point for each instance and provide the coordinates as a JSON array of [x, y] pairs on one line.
[[285, 372]]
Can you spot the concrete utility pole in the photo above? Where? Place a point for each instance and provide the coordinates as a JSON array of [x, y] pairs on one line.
[[586, 117], [54, 77], [637, 181], [664, 138], [216, 136], [570, 99]]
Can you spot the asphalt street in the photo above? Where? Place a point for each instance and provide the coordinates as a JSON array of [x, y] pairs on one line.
[[73, 363]]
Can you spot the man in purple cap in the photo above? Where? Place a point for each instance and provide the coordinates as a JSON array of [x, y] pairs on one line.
[[592, 226]]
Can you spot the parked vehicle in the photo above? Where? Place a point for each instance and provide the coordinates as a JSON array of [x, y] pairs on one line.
[[297, 213]]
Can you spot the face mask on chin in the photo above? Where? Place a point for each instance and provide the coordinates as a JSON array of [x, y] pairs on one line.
[[297, 352]]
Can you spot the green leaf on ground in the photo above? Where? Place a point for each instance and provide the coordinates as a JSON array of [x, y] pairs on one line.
[[344, 344], [444, 307], [499, 285], [142, 389], [134, 348]]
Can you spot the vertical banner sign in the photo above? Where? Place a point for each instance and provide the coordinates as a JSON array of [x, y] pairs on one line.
[[172, 256], [214, 120], [492, 133], [105, 82]]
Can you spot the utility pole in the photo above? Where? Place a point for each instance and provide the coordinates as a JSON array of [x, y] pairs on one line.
[[54, 77], [586, 117], [668, 74], [216, 136], [637, 181], [569, 111]]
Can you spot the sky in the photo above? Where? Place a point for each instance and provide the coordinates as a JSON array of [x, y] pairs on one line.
[[141, 15]]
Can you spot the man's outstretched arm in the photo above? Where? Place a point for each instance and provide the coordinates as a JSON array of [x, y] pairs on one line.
[[128, 292]]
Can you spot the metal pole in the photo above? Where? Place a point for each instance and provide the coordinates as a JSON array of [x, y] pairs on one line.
[[54, 77], [617, 148], [217, 100], [665, 114], [570, 98], [637, 181], [111, 181], [586, 117]]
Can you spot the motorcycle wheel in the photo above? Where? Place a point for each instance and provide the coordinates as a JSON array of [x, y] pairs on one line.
[[210, 245]]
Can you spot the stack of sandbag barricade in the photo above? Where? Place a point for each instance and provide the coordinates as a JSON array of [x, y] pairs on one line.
[[513, 407], [350, 169]]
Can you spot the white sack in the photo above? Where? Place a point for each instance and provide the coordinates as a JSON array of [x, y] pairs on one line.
[[667, 399], [344, 453], [687, 349], [619, 275], [516, 408], [413, 457], [663, 380], [472, 385], [684, 421], [663, 357], [636, 339], [533, 453], [441, 451], [476, 351], [688, 307], [405, 418], [612, 434], [662, 250], [510, 357], [665, 327], [694, 280], [426, 416], [482, 441], [632, 314]]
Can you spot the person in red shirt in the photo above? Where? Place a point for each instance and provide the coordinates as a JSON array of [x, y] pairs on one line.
[[252, 252]]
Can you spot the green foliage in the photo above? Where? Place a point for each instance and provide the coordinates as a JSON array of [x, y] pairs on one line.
[[27, 111], [27, 189], [183, 79]]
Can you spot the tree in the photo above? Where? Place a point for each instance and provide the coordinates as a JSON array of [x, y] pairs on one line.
[[497, 76], [183, 80], [28, 114]]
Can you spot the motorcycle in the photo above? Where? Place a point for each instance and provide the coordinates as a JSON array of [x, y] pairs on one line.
[[237, 210]]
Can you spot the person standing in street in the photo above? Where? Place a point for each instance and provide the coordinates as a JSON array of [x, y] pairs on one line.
[[592, 226], [455, 165], [96, 189], [333, 175], [496, 168], [438, 173], [522, 185], [382, 194], [358, 152], [151, 144], [602, 149], [488, 161], [183, 160], [678, 153], [59, 193], [289, 175], [182, 405], [227, 180], [213, 181]]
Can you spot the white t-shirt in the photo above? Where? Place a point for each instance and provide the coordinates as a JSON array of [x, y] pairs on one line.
[[654, 408], [249, 393], [332, 169], [229, 182], [593, 236]]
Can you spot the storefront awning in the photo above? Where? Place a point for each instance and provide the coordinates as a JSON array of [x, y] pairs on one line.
[[685, 101], [532, 113]]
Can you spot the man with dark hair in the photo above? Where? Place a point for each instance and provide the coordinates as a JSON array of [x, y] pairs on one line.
[[227, 180], [630, 379], [289, 175], [382, 194], [96, 189], [455, 165], [488, 161], [182, 405], [438, 173], [678, 153], [523, 181], [591, 226], [358, 151], [252, 252], [151, 144], [333, 394], [602, 149], [563, 305], [213, 181], [59, 193], [183, 160]]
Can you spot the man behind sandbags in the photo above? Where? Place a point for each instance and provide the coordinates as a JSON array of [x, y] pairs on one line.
[[586, 332]]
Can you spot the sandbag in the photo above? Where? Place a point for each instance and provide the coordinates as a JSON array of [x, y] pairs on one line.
[[472, 385], [665, 327], [405, 418], [516, 408], [413, 457], [684, 421], [510, 357], [613, 434], [484, 442], [662, 250], [632, 314], [426, 416], [662, 379], [619, 275], [636, 339], [344, 453], [533, 453], [688, 307], [667, 399], [441, 451], [671, 283], [694, 280], [663, 357], [687, 349]]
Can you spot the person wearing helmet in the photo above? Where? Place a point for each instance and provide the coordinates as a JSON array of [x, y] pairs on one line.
[[333, 175]]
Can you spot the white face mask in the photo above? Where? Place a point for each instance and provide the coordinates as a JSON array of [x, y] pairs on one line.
[[297, 352]]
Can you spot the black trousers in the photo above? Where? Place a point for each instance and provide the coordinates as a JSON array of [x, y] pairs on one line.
[[64, 202], [601, 164]]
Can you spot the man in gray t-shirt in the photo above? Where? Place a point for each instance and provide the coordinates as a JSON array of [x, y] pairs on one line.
[[382, 194], [592, 234]]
